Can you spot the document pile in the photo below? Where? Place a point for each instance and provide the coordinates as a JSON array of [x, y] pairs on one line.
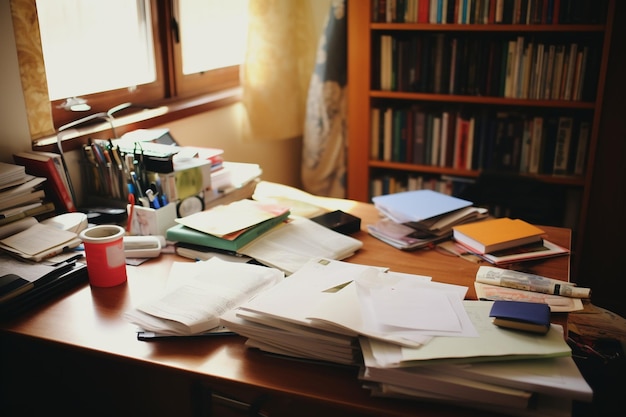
[[229, 226], [412, 338], [328, 304], [34, 241], [505, 241], [21, 194], [197, 294], [417, 219]]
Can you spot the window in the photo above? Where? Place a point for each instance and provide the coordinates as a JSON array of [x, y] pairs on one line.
[[138, 51]]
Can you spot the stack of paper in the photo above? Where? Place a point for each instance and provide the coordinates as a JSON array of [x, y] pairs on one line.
[[416, 219], [412, 338], [228, 227], [21, 194], [197, 294], [34, 241], [507, 371], [343, 301]]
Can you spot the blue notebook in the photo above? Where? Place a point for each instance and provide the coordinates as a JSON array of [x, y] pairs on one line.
[[521, 315], [415, 206]]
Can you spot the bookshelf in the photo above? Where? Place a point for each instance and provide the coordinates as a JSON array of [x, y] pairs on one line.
[[489, 89]]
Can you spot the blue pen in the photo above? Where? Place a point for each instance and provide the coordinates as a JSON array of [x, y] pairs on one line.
[[154, 202]]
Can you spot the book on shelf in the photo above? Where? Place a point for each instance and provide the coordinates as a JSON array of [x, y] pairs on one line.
[[521, 315], [563, 144], [49, 166], [496, 234]]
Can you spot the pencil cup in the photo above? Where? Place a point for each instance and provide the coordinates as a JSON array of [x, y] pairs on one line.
[[106, 261]]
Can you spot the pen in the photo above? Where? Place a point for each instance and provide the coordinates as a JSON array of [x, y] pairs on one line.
[[131, 211]]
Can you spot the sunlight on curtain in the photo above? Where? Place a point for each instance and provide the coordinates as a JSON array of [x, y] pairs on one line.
[[324, 141], [277, 67], [32, 70]]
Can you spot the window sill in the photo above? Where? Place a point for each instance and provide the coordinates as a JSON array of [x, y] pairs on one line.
[[157, 115]]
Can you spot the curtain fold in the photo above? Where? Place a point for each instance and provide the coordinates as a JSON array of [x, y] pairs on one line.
[[324, 141], [277, 68], [32, 69]]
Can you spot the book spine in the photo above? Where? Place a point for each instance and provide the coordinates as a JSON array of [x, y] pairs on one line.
[[563, 140]]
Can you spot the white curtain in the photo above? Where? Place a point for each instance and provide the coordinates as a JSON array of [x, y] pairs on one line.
[[277, 67], [324, 141]]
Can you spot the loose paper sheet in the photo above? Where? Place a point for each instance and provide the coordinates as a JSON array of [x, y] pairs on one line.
[[229, 218]]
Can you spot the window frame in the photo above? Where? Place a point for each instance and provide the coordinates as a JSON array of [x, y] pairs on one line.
[[172, 87]]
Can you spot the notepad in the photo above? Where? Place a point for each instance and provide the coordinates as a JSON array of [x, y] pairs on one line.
[[521, 315], [415, 206]]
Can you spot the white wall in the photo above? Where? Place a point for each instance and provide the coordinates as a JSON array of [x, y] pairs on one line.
[[279, 159]]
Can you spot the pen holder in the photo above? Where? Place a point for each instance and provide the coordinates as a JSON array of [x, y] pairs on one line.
[[146, 221]]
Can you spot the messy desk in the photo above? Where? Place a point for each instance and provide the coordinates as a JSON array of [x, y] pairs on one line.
[[80, 353]]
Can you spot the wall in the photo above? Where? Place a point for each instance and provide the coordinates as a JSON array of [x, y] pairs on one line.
[[280, 160]]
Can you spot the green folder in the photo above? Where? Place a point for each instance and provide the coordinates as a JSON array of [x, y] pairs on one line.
[[181, 233]]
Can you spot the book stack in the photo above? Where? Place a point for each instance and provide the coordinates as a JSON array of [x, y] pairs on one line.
[[21, 194], [227, 227], [424, 342], [417, 219], [504, 241], [49, 165]]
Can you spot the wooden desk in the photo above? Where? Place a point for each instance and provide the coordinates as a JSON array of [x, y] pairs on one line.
[[77, 355]]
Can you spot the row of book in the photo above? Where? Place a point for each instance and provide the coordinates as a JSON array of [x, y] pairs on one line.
[[510, 66], [390, 183], [504, 141], [530, 12]]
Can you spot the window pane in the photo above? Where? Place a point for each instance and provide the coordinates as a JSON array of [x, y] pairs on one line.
[[213, 33], [94, 46]]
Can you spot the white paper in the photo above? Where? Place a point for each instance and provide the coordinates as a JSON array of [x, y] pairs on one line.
[[198, 293], [224, 219]]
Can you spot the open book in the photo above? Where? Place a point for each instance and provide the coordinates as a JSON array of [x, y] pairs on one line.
[[198, 293]]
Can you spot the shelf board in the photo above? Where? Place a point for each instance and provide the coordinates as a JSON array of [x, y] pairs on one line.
[[451, 27], [575, 181], [500, 101]]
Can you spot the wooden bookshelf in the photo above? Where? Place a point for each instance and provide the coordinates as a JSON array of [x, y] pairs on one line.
[[517, 105]]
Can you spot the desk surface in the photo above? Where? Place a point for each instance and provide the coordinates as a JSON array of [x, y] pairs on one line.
[[90, 320]]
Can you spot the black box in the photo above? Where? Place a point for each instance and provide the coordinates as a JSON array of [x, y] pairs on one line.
[[339, 221]]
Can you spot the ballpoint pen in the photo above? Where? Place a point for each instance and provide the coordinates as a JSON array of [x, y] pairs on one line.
[[131, 212]]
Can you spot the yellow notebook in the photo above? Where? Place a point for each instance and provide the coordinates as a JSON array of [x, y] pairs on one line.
[[492, 235]]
